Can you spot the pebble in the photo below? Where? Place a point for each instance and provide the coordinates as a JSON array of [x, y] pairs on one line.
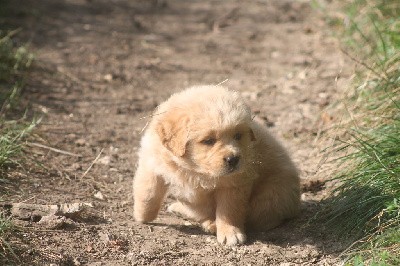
[[104, 160], [99, 195], [80, 142]]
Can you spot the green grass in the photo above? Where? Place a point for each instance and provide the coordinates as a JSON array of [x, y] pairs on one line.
[[11, 142], [366, 203], [14, 63], [5, 226]]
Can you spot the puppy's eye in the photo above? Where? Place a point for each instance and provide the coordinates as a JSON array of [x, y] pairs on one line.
[[237, 136], [209, 141]]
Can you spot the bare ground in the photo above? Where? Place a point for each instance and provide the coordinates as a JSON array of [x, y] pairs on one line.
[[104, 65]]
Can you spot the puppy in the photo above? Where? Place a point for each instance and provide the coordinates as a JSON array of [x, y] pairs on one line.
[[224, 169]]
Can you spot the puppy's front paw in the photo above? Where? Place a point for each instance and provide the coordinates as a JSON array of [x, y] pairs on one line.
[[144, 217], [230, 235]]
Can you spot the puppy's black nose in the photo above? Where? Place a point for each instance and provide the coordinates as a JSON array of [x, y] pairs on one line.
[[231, 161]]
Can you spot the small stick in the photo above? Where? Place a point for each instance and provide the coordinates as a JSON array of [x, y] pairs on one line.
[[69, 75], [53, 149], [145, 126], [91, 165], [28, 199], [222, 82], [364, 64], [148, 122], [147, 116]]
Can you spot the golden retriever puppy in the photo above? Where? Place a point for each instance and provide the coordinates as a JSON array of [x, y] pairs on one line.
[[224, 169]]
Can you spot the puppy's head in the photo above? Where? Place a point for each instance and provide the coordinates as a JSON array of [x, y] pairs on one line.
[[220, 152], [208, 130]]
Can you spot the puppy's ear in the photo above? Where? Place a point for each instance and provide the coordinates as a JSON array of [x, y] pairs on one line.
[[173, 131], [252, 136]]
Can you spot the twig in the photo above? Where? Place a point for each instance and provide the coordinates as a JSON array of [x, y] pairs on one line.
[[147, 116], [69, 75], [28, 199], [145, 126], [222, 82], [364, 64], [53, 149], [91, 165], [11, 34]]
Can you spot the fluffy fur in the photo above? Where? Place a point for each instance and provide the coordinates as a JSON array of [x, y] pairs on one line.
[[223, 168]]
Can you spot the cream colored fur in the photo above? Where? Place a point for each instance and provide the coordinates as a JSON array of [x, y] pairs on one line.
[[185, 151]]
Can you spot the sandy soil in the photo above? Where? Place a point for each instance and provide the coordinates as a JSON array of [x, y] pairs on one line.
[[102, 66]]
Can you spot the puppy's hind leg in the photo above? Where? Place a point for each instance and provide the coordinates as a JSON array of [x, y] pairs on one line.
[[205, 215], [149, 192], [180, 209], [271, 204]]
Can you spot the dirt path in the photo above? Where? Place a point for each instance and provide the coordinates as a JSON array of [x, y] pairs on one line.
[[103, 65]]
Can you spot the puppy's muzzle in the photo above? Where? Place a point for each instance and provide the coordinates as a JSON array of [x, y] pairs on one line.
[[231, 162]]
